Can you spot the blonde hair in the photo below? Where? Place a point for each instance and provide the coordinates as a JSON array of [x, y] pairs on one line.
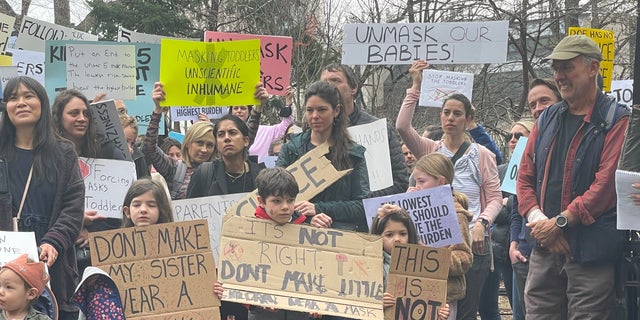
[[438, 165], [195, 132], [527, 124]]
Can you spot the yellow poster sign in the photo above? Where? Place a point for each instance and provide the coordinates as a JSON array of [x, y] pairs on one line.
[[606, 41], [209, 73]]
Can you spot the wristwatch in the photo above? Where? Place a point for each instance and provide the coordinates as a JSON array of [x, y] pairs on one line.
[[485, 223], [562, 222]]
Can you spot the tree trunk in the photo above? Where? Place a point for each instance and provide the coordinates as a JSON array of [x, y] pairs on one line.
[[5, 8], [62, 16]]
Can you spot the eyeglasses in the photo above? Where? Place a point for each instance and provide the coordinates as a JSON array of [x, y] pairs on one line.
[[516, 135]]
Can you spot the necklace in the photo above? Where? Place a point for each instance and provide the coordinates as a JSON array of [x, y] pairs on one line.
[[233, 177]]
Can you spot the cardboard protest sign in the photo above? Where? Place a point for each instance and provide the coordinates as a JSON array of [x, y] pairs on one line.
[[161, 269], [101, 68], [275, 53], [191, 113], [418, 280], [108, 126], [511, 176], [147, 73], [6, 27], [209, 74], [606, 41], [301, 268], [13, 244], [436, 43], [33, 33], [29, 63], [622, 91], [210, 208], [313, 172], [431, 210], [438, 85], [373, 136], [106, 183]]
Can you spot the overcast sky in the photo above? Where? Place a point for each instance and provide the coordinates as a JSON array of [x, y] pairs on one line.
[[43, 9]]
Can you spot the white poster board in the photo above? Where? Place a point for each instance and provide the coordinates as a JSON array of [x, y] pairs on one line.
[[211, 208], [622, 91], [13, 244], [373, 136], [102, 68], [191, 113], [33, 33], [29, 63], [106, 183], [6, 26], [7, 73], [438, 85], [126, 35], [436, 43]]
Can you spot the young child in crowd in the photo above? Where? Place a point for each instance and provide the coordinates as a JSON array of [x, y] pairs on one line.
[[146, 204], [433, 170], [277, 191], [395, 226], [22, 281]]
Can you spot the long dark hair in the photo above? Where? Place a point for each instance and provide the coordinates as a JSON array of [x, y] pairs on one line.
[[341, 138], [44, 137], [90, 146], [143, 186], [242, 127], [400, 215]]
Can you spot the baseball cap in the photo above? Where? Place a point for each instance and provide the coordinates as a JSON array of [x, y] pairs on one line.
[[573, 46]]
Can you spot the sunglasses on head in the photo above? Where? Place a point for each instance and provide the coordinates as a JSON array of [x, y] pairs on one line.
[[516, 135]]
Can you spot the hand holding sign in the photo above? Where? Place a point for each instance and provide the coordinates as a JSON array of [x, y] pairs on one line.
[[416, 73]]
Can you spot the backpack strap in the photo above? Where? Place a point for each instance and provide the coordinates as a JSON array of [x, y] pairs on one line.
[[463, 148], [178, 179]]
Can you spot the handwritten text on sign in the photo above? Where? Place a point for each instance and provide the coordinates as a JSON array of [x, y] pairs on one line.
[[285, 263], [13, 244], [437, 43], [418, 281], [373, 136], [313, 172], [106, 184], [431, 210], [108, 126], [29, 63], [211, 208], [275, 54], [438, 85], [209, 74], [33, 33], [110, 69], [6, 26], [191, 113], [159, 269], [511, 176]]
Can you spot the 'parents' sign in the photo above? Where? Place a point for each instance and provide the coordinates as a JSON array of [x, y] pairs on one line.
[[437, 43], [160, 269], [301, 268]]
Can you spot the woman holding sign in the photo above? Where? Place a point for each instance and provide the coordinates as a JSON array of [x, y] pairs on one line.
[[47, 192], [476, 175], [338, 206]]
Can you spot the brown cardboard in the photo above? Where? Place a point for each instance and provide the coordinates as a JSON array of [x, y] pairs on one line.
[[166, 269], [418, 280], [313, 172], [302, 268]]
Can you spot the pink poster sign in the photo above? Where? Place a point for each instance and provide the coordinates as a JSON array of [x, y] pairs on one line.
[[276, 53]]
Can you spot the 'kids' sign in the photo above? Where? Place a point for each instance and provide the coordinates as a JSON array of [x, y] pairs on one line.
[[437, 43], [301, 268], [275, 52]]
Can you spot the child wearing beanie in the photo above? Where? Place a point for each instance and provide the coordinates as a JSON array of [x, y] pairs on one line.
[[21, 282]]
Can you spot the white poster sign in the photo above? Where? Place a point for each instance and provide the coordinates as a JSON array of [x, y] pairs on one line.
[[191, 113], [101, 68], [7, 73], [622, 91], [437, 43], [211, 208], [29, 63], [6, 27], [106, 183], [33, 33], [126, 35], [438, 85], [373, 136], [13, 244]]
